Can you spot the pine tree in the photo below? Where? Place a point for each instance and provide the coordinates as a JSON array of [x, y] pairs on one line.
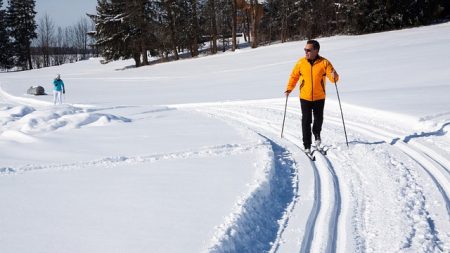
[[113, 31], [123, 29], [20, 20], [108, 24], [5, 44], [138, 31]]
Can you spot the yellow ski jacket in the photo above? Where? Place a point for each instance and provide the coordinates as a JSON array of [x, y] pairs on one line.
[[312, 78]]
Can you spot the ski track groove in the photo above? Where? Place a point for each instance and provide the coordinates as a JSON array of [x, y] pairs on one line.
[[316, 233], [332, 240], [312, 218]]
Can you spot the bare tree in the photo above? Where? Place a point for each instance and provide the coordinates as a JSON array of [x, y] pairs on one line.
[[81, 38], [91, 34], [46, 38], [69, 43], [60, 47]]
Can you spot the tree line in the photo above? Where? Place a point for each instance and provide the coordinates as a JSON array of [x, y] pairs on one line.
[[303, 19], [166, 28], [170, 29], [26, 43]]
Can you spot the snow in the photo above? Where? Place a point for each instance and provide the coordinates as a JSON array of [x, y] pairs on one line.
[[186, 156]]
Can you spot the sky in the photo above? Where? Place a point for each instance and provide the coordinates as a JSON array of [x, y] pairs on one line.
[[64, 13]]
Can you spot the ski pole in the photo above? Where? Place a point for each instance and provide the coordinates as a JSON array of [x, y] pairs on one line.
[[342, 114], [284, 117]]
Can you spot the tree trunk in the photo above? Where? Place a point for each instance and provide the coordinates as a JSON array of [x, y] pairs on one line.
[[137, 59], [30, 64], [194, 41], [144, 57], [213, 26], [247, 27], [144, 53], [284, 24], [234, 26], [223, 43], [172, 29], [254, 25]]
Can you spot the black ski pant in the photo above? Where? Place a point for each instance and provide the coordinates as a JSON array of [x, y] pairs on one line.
[[310, 108]]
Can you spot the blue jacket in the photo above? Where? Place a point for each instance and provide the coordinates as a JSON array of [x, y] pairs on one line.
[[58, 85]]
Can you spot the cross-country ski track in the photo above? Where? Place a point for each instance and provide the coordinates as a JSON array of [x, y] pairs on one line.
[[335, 207]]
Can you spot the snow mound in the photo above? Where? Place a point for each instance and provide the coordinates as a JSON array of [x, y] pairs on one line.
[[17, 136], [18, 123]]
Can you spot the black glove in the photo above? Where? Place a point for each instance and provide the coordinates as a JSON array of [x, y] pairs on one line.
[[64, 91]]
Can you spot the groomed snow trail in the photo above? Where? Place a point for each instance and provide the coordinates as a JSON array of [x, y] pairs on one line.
[[386, 193]]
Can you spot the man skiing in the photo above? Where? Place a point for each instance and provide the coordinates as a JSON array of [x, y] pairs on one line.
[[311, 70], [58, 90]]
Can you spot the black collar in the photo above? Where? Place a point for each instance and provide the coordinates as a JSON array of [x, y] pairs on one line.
[[314, 60]]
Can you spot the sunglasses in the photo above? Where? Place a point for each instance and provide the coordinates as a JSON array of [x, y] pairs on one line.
[[307, 50]]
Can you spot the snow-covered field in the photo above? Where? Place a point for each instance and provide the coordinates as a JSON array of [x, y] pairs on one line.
[[187, 157]]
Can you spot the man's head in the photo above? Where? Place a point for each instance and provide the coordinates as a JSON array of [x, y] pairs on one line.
[[312, 48], [58, 76]]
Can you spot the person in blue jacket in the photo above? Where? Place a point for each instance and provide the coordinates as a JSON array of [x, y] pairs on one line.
[[58, 90]]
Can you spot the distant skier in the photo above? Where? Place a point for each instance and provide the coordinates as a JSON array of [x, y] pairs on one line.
[[58, 90], [311, 70]]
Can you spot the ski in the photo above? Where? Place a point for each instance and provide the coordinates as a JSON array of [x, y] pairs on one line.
[[321, 150], [310, 155]]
